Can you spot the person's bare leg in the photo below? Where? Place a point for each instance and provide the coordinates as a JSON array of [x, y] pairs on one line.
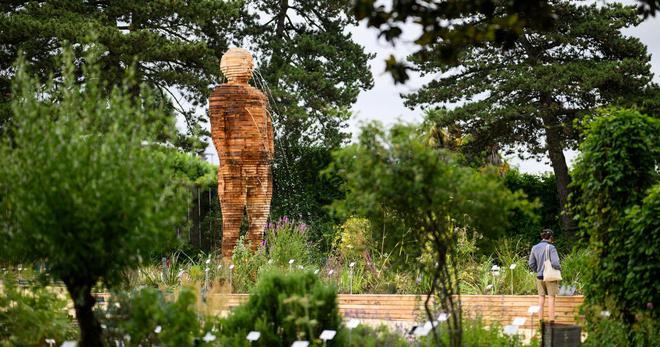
[[541, 303], [551, 307]]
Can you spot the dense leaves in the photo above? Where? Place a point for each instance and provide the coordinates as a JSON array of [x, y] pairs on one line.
[[84, 187], [312, 71], [617, 207], [417, 195], [459, 25], [284, 308], [171, 44], [447, 22], [528, 98]]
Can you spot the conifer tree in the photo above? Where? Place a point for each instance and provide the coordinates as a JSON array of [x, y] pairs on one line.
[[171, 44], [528, 98]]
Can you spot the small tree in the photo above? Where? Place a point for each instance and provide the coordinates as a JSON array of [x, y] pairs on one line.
[[416, 195], [83, 187], [616, 204]]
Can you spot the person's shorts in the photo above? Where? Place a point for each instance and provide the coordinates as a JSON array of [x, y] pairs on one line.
[[547, 288]]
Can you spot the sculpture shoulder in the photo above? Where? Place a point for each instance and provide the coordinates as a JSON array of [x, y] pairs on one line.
[[232, 89]]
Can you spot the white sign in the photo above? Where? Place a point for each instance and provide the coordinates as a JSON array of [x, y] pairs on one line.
[[70, 344], [208, 337], [291, 261], [327, 335], [50, 342], [353, 323], [421, 331], [158, 329], [253, 336], [510, 330], [443, 317], [513, 266], [605, 313], [351, 264], [533, 309], [300, 344], [495, 268], [519, 321]]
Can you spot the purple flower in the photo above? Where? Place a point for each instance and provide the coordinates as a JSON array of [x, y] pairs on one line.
[[284, 219], [302, 227]]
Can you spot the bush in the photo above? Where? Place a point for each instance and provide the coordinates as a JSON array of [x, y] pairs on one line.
[[476, 334], [284, 308], [618, 183], [365, 336], [136, 316], [29, 316]]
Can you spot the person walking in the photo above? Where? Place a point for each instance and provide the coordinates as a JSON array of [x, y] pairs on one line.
[[537, 258]]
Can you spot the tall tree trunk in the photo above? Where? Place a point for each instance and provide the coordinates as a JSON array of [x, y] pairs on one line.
[[281, 17], [83, 303], [562, 178]]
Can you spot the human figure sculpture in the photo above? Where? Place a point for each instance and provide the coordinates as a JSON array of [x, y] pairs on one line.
[[242, 133]]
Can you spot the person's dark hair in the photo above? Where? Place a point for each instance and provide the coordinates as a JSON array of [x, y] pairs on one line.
[[546, 234]]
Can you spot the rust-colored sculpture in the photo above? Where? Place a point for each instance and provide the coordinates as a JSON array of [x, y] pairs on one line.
[[242, 133]]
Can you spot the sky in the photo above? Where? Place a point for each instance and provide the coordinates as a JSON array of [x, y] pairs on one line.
[[383, 101]]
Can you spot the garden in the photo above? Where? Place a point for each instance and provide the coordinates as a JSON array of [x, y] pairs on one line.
[[118, 229]]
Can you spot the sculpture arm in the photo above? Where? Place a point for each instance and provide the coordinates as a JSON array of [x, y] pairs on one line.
[[219, 128]]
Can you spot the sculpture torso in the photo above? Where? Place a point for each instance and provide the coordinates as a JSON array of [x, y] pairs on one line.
[[240, 126]]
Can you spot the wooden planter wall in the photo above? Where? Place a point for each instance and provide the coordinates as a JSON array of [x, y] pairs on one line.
[[410, 308]]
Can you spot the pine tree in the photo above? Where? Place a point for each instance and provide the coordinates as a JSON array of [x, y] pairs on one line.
[[528, 98], [172, 44], [314, 72]]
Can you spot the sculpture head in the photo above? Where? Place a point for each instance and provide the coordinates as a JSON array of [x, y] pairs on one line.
[[236, 64]]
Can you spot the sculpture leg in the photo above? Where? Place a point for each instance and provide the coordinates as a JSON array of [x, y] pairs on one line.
[[260, 192], [232, 194]]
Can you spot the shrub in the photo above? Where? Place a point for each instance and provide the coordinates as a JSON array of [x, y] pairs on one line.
[[286, 240], [365, 336], [284, 308], [31, 315], [616, 176], [135, 317]]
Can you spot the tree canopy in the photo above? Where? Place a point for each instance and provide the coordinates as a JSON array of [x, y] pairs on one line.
[[313, 72], [458, 25], [417, 196], [529, 97], [85, 187], [173, 45]]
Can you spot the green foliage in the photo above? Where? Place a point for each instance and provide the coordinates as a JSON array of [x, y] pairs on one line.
[[365, 336], [138, 314], [284, 308], [85, 186], [170, 44], [611, 332], [397, 177], [477, 334], [541, 188], [29, 316], [453, 25], [312, 71], [287, 240], [192, 169], [539, 87], [247, 265], [617, 207]]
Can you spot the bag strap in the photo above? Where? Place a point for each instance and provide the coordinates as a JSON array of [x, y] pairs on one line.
[[547, 252]]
